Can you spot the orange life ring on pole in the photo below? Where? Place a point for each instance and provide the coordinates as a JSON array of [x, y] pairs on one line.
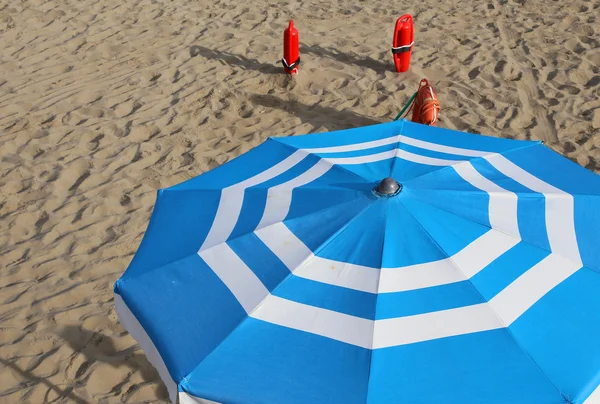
[[427, 106]]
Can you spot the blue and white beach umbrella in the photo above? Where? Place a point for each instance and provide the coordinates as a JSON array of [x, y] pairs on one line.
[[293, 274]]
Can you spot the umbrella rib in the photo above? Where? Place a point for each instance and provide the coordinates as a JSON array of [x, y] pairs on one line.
[[397, 147], [321, 158], [301, 216], [513, 337], [508, 234], [319, 248], [375, 314], [289, 276], [236, 238], [447, 168]]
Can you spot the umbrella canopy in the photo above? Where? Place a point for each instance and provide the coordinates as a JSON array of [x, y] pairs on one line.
[[395, 263]]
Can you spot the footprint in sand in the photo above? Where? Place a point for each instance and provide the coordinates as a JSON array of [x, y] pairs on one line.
[[127, 108]]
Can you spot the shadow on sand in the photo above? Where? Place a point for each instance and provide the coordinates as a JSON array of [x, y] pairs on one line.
[[32, 379], [97, 347], [235, 60], [315, 115], [350, 58]]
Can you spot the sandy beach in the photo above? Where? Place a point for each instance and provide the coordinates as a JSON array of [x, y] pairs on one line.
[[104, 102]]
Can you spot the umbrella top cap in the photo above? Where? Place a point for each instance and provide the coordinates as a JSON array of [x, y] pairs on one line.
[[388, 187]]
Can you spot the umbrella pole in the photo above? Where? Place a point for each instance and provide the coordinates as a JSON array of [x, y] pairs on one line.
[[408, 104]]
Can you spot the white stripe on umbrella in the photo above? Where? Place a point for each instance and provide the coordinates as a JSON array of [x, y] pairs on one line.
[[235, 274], [502, 310], [438, 324], [461, 266], [531, 286], [298, 258], [442, 148], [232, 197], [502, 203], [332, 324], [594, 398], [560, 209], [279, 197]]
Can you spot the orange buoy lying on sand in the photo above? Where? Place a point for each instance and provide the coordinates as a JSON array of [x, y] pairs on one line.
[[291, 52], [404, 38], [427, 106]]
